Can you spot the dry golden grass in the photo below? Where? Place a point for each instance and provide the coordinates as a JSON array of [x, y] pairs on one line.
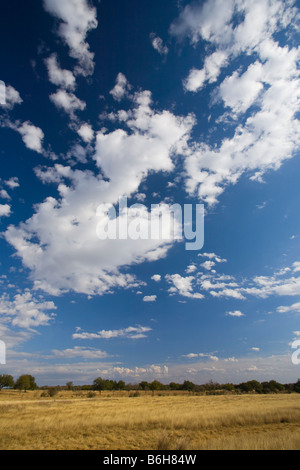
[[118, 421]]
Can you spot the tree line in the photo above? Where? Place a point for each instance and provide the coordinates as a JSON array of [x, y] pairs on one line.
[[27, 382]]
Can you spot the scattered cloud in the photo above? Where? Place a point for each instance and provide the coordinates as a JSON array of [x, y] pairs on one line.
[[26, 311], [183, 286], [159, 45], [68, 102], [77, 18], [5, 210], [62, 78], [32, 136], [121, 88], [236, 313], [86, 133], [11, 97], [150, 298], [263, 94], [292, 308], [12, 183], [67, 258], [202, 355], [79, 352], [137, 332]]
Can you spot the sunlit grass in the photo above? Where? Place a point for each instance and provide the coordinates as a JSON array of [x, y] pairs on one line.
[[146, 422]]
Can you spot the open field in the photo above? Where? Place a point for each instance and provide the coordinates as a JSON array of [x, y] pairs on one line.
[[118, 420]]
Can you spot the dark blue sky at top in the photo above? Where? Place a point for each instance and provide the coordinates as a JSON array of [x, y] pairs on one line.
[[255, 242]]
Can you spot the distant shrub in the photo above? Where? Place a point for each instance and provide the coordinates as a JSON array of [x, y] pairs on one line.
[[52, 391]]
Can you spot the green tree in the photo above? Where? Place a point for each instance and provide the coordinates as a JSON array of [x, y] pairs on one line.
[[174, 386], [144, 385], [187, 385], [156, 385], [99, 384], [69, 386], [6, 381], [121, 385], [26, 382], [296, 386]]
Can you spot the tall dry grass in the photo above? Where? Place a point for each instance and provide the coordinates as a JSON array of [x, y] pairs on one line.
[[70, 421]]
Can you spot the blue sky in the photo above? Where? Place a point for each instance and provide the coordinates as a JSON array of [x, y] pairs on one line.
[[174, 103]]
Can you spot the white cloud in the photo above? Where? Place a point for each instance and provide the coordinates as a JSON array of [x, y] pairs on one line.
[[12, 183], [159, 45], [210, 72], [11, 97], [137, 373], [4, 194], [5, 210], [213, 257], [236, 313], [202, 355], [32, 136], [79, 352], [262, 140], [121, 87], [292, 308], [156, 277], [131, 332], [68, 102], [86, 133], [183, 286], [296, 267], [191, 269], [239, 92], [208, 265], [77, 18], [70, 256], [58, 76], [150, 298], [26, 311]]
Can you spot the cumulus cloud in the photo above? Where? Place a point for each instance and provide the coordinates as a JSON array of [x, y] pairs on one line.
[[4, 194], [70, 256], [199, 77], [86, 133], [269, 87], [121, 87], [13, 182], [202, 355], [236, 313], [32, 136], [183, 286], [68, 102], [26, 311], [9, 96], [150, 298], [292, 308], [79, 352], [159, 45], [5, 210], [132, 332], [58, 76], [156, 277], [77, 18]]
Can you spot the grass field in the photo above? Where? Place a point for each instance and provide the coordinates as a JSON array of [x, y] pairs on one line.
[[121, 421]]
